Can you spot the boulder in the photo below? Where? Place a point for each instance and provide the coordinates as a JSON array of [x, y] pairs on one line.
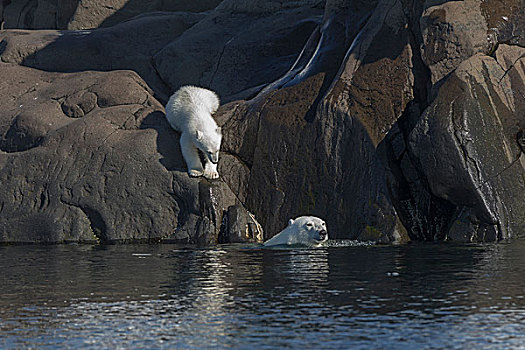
[[506, 22], [240, 226], [310, 138], [452, 32], [89, 157], [128, 45], [453, 154], [87, 14], [220, 54], [392, 120], [466, 146]]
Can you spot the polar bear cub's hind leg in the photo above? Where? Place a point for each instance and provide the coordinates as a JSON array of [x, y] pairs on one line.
[[189, 111]]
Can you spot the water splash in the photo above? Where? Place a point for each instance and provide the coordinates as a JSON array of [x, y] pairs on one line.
[[346, 243]]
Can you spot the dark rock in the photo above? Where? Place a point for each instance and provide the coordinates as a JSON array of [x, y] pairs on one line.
[[452, 32], [506, 22], [34, 14], [520, 139], [87, 14], [114, 173], [464, 146], [220, 54], [390, 119], [450, 183], [79, 104], [129, 45], [240, 226], [315, 152]]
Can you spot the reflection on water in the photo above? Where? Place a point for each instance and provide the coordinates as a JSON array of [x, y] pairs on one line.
[[342, 295]]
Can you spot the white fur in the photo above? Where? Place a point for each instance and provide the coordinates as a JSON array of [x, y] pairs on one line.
[[189, 111], [305, 230]]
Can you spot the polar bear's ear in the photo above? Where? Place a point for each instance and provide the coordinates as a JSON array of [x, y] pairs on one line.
[[290, 222], [219, 130], [198, 135]]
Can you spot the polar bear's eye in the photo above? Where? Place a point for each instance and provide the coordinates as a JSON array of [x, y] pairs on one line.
[[309, 224]]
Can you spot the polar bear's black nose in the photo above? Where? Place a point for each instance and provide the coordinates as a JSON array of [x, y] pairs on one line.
[[323, 234]]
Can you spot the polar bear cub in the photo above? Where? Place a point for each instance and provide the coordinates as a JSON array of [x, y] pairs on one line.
[[189, 111], [305, 230]]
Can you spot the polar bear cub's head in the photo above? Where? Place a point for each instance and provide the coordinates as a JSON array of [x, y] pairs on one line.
[[314, 228], [304, 230], [209, 143]]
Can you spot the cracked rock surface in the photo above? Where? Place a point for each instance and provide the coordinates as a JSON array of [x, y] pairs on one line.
[[393, 120]]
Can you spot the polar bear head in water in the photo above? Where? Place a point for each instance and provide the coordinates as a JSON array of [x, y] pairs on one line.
[[305, 230]]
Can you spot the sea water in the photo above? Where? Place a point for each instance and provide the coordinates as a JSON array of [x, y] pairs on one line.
[[343, 295]]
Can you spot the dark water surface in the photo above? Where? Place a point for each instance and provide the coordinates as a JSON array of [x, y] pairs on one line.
[[419, 296]]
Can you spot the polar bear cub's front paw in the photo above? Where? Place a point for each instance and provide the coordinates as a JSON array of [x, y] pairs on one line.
[[211, 174], [210, 171], [195, 172]]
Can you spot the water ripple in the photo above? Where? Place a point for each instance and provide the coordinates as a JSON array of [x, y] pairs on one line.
[[339, 296]]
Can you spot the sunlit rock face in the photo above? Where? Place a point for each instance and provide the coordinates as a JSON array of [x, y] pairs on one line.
[[391, 120], [457, 167]]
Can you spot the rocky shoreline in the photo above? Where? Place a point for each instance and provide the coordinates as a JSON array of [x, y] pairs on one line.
[[393, 120]]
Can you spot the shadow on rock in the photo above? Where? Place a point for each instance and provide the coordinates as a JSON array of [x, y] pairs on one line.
[[133, 8], [129, 45], [167, 141]]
